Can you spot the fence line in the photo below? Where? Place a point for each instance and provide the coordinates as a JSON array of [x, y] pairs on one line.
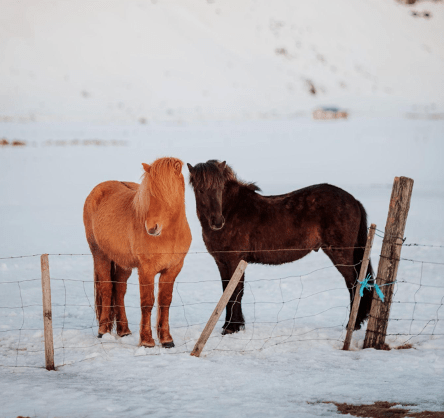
[[62, 345], [254, 341], [240, 250]]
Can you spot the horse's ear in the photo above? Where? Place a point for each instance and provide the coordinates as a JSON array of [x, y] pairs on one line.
[[178, 167], [222, 165], [190, 167], [146, 167]]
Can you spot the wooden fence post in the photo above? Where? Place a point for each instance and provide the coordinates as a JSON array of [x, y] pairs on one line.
[[357, 297], [219, 308], [47, 313], [388, 262]]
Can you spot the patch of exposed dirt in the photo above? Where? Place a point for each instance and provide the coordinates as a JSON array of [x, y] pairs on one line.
[[64, 143], [406, 346], [16, 143], [384, 410]]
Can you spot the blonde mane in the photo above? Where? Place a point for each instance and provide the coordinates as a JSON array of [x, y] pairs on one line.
[[163, 181], [142, 198]]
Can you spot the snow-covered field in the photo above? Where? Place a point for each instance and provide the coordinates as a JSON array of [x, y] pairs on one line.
[[96, 88], [289, 358]]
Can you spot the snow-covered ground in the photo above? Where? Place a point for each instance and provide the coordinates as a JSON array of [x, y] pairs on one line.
[[96, 88], [289, 359]]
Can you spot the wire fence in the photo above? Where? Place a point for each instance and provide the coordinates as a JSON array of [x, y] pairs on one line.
[[281, 312]]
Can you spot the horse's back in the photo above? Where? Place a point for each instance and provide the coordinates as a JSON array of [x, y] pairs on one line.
[[105, 190], [311, 217], [330, 213], [313, 200], [130, 185], [323, 189]]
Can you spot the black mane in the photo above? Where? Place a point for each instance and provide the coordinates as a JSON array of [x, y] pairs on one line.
[[208, 176]]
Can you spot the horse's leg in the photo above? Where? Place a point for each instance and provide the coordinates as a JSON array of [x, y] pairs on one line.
[[120, 278], [234, 319], [165, 296], [146, 285], [343, 261], [103, 290]]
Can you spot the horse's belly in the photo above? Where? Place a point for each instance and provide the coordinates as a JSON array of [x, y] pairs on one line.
[[277, 257], [116, 245]]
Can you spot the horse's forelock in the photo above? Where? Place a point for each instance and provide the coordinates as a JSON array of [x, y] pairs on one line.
[[209, 176], [164, 165], [163, 177], [205, 176]]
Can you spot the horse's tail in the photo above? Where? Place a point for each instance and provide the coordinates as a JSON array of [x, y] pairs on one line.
[[358, 255], [97, 297], [113, 309]]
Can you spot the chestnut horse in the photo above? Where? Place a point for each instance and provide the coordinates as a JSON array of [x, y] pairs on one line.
[[240, 224], [142, 226]]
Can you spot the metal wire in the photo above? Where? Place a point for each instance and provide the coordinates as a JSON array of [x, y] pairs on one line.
[[288, 335]]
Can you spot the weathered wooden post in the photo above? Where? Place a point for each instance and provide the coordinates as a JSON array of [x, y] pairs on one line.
[[388, 262], [357, 297], [200, 344], [47, 313]]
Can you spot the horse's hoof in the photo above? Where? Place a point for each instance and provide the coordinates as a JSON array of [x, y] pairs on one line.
[[99, 335], [149, 344], [168, 344], [124, 335], [232, 328]]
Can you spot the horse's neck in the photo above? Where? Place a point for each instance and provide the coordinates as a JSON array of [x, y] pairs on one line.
[[233, 194]]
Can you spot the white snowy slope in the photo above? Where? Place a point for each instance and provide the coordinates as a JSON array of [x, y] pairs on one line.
[[180, 60]]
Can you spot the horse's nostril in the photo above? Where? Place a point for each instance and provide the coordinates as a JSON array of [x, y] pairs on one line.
[[215, 225]]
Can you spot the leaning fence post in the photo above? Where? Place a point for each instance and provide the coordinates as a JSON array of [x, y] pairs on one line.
[[388, 262], [357, 297], [47, 313], [219, 308]]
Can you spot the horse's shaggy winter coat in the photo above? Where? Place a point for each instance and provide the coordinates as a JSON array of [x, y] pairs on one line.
[[240, 224], [142, 226]]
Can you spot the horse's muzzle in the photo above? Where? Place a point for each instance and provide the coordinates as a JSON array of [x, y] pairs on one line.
[[217, 227]]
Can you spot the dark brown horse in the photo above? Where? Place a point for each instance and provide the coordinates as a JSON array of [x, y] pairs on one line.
[[240, 224]]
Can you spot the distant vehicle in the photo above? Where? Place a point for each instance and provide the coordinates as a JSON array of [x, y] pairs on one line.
[[329, 113]]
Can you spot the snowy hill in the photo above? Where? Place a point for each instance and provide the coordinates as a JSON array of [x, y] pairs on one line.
[[185, 60]]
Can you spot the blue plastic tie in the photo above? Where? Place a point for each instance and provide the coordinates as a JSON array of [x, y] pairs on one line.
[[366, 285], [378, 292]]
